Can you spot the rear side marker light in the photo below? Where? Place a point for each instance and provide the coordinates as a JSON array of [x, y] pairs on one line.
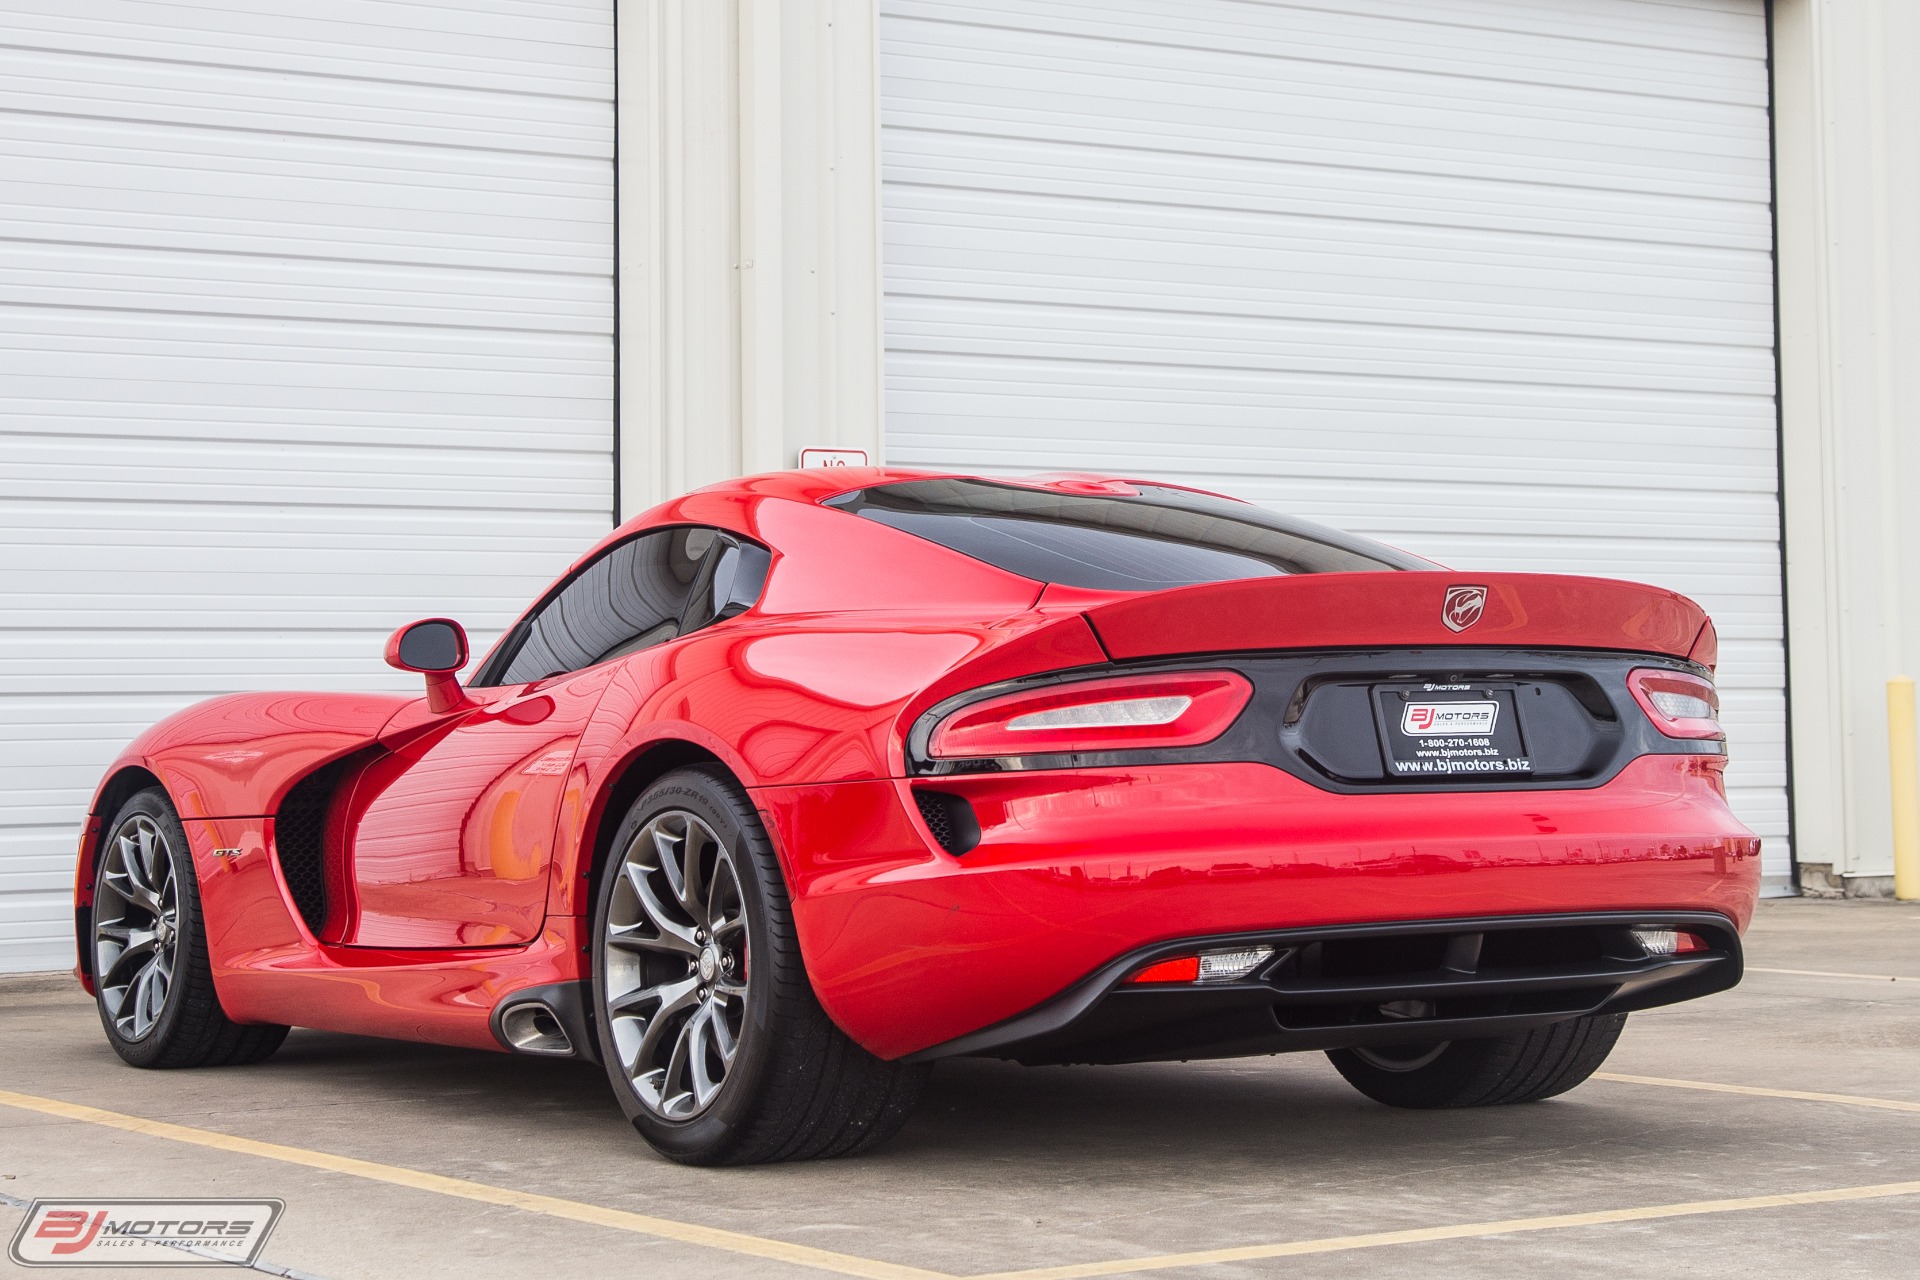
[[1178, 969], [1120, 713], [1680, 705], [1658, 941], [1208, 966]]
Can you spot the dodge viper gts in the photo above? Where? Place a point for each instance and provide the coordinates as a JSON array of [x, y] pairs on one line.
[[799, 783]]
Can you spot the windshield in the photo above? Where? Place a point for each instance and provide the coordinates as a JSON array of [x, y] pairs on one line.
[[1163, 538]]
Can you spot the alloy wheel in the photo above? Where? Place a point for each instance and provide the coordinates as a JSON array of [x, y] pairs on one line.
[[136, 929], [675, 993]]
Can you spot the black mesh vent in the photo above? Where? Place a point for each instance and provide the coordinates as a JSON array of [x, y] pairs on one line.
[[300, 839], [935, 813], [950, 819]]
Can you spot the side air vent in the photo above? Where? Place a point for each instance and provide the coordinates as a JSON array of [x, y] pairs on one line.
[[951, 820], [300, 838]]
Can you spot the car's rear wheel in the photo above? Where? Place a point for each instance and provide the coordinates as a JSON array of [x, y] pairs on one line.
[[1483, 1073], [152, 979], [716, 1047]]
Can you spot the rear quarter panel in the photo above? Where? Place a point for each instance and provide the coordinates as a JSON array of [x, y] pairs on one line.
[[788, 701]]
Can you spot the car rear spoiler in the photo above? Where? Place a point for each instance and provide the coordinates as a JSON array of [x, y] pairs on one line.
[[1405, 610]]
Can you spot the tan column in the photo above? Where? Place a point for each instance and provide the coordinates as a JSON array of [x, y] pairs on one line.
[[749, 237], [1847, 138]]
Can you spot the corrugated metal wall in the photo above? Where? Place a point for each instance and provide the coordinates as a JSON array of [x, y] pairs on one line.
[[1489, 279], [305, 331]]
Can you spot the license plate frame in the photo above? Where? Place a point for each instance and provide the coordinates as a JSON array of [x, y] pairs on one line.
[[1433, 732]]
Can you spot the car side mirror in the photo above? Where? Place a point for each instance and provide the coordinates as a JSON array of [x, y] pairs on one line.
[[436, 648]]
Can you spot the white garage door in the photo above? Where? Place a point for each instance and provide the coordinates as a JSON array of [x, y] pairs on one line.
[[1489, 279], [305, 330]]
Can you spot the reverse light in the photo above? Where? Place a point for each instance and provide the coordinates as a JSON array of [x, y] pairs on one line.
[[1120, 713], [1227, 966], [1103, 715], [1680, 705], [1657, 940], [1207, 966]]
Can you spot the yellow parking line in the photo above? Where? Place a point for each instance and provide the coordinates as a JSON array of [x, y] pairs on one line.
[[850, 1265], [1826, 973], [1755, 1091], [573, 1210], [1463, 1231]]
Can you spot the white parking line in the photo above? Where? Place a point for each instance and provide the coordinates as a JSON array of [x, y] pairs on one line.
[[737, 1242], [1757, 1091], [1823, 973], [1462, 1231]]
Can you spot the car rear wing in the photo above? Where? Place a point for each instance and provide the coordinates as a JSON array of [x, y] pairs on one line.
[[1405, 610]]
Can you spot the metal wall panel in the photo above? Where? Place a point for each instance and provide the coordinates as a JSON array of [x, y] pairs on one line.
[[305, 330], [1489, 279]]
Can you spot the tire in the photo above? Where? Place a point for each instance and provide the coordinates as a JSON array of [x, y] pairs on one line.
[[713, 1041], [1483, 1073], [148, 948]]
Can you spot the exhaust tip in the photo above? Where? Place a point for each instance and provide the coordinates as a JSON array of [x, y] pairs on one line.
[[531, 1027]]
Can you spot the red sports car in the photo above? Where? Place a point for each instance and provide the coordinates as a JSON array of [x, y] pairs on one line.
[[799, 783]]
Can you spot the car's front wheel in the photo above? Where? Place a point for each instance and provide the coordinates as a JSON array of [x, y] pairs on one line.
[[716, 1047], [1483, 1073], [152, 978]]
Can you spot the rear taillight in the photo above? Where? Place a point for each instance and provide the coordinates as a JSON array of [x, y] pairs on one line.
[[1227, 965], [1660, 940], [1123, 713], [1680, 705]]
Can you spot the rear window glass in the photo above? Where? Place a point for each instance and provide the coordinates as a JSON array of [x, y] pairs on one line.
[[1163, 538]]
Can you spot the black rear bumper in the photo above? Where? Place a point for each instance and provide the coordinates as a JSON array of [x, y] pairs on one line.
[[1345, 986]]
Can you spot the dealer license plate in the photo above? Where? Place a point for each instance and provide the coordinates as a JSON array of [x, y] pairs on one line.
[[1451, 730]]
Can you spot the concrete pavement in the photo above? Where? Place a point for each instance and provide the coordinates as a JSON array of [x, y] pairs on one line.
[[1089, 1169]]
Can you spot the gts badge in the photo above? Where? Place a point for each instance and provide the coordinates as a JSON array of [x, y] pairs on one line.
[[228, 853]]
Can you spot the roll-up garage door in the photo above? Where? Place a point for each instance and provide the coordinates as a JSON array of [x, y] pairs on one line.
[[305, 331], [1488, 279]]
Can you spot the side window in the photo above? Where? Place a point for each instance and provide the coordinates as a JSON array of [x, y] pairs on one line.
[[640, 593], [628, 599]]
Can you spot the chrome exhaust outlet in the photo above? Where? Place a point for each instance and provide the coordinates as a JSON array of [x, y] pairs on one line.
[[531, 1027], [549, 1021]]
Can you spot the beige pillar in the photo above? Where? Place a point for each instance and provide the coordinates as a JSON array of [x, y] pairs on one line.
[[749, 237], [1847, 139]]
